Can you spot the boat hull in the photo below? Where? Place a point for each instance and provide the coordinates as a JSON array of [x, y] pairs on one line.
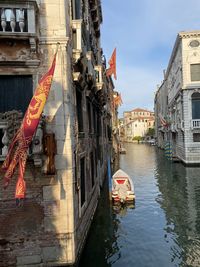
[[117, 199]]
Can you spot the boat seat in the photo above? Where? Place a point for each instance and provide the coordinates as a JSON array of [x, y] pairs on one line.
[[122, 191], [125, 185]]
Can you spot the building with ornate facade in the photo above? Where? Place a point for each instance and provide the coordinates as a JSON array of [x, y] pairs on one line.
[[67, 160], [177, 100], [137, 123]]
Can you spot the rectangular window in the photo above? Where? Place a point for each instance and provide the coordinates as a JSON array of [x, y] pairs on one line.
[[94, 121], [109, 132], [196, 109], [99, 126], [89, 116], [92, 167], [183, 137], [74, 39], [97, 76], [195, 72], [76, 9], [12, 88], [82, 163], [79, 110], [196, 137], [95, 162]]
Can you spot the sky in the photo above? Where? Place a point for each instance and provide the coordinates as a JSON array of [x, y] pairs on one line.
[[144, 33]]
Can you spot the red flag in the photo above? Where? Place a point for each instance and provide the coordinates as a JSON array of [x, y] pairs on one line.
[[17, 153], [112, 62]]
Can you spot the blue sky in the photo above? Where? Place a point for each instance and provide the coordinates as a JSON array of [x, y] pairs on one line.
[[144, 32]]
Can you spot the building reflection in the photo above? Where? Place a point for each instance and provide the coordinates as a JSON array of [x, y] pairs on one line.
[[180, 200], [101, 249]]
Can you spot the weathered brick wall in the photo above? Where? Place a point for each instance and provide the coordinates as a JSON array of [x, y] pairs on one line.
[[21, 227], [36, 232]]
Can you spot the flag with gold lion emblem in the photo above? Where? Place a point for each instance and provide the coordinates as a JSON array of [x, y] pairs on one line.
[[17, 153]]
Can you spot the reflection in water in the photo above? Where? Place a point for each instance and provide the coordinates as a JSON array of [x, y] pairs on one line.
[[122, 209], [162, 229], [102, 241], [180, 200]]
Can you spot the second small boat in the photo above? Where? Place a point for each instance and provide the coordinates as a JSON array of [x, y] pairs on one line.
[[122, 187]]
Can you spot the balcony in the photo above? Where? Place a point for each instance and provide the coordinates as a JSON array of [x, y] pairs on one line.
[[96, 15], [99, 77], [195, 124], [18, 20], [90, 65], [77, 39], [3, 140], [9, 124]]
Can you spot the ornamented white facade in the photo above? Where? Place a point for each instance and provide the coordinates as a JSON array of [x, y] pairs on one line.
[[178, 100]]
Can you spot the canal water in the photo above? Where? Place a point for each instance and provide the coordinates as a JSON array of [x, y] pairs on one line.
[[162, 229]]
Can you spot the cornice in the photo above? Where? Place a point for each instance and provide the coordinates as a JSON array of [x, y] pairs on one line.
[[53, 40], [180, 35], [192, 34]]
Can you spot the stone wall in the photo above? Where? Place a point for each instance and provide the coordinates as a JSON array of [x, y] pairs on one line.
[[51, 226]]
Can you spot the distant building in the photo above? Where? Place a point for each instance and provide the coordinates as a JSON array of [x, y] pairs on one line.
[[177, 100], [137, 123]]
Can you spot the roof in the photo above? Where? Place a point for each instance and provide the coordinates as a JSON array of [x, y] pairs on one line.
[[141, 110]]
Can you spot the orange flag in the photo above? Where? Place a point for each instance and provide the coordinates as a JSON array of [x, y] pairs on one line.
[[112, 62], [118, 100], [17, 153]]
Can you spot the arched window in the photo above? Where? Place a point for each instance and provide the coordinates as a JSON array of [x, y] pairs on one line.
[[195, 106]]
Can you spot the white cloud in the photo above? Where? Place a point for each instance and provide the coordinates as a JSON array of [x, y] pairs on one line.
[[137, 87], [144, 33]]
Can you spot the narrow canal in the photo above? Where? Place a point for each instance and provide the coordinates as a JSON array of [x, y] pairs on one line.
[[162, 229]]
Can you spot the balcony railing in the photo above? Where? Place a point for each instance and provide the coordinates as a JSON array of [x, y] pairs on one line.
[[14, 20], [18, 19], [3, 140], [99, 77], [9, 124], [195, 124]]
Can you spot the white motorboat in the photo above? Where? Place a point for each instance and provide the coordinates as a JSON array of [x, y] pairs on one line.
[[122, 187]]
